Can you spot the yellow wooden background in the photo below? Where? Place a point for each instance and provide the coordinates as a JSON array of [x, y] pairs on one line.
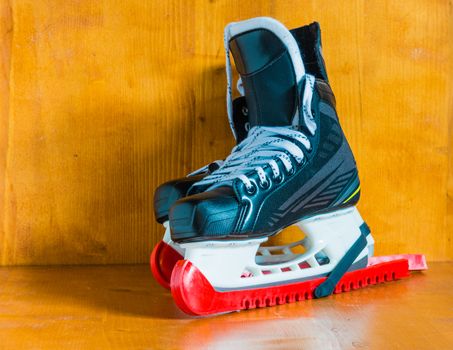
[[101, 101]]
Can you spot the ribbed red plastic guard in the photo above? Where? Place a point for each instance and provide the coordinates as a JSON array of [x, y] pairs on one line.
[[194, 294]]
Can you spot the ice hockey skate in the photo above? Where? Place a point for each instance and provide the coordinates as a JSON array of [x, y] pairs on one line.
[[166, 253], [295, 167]]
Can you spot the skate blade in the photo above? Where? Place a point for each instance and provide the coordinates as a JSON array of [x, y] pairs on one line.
[[162, 261], [194, 294]]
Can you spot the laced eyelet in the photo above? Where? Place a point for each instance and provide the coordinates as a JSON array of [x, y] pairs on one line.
[[251, 190], [265, 184], [291, 171]]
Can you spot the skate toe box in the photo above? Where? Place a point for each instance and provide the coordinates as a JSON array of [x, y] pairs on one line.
[[206, 215]]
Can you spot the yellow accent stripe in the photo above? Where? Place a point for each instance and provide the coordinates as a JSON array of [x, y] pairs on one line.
[[352, 195]]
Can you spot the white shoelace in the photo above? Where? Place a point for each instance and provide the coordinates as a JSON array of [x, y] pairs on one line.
[[262, 148]]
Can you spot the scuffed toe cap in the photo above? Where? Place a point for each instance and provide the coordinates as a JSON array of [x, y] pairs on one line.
[[207, 215]]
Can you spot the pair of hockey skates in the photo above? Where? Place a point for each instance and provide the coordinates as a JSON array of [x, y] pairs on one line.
[[292, 165]]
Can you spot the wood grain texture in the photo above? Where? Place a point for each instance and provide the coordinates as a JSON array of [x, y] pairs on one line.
[[118, 307], [102, 101], [6, 30], [450, 152]]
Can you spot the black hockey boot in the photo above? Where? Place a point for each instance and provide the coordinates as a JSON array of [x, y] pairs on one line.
[[295, 162]]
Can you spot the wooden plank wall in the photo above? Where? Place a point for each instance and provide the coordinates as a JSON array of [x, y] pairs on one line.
[[102, 101]]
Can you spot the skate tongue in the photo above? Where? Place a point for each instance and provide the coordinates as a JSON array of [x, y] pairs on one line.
[[269, 61]]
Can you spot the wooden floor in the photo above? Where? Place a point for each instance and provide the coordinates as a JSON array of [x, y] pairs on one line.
[[121, 307]]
